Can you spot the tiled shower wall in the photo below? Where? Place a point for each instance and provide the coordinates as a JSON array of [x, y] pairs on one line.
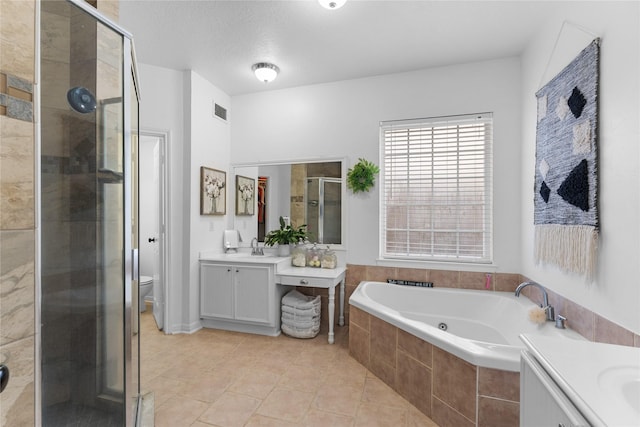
[[17, 224]]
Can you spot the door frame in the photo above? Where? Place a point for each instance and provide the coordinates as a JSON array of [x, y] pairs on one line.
[[164, 223]]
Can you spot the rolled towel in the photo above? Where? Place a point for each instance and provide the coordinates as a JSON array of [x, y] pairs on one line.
[[305, 312], [295, 317], [300, 333], [301, 324], [298, 300]]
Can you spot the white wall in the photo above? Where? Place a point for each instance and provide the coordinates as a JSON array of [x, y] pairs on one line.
[[181, 103], [342, 119], [615, 293], [161, 109], [209, 146]]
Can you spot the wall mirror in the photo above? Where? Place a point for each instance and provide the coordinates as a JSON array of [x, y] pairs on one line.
[[305, 192]]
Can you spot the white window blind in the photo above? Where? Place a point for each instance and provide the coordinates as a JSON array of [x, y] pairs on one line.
[[437, 181]]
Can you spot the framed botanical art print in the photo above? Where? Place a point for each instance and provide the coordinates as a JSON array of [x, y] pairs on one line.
[[213, 194], [245, 195]]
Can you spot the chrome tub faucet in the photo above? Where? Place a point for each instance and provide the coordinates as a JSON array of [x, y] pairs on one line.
[[545, 304]]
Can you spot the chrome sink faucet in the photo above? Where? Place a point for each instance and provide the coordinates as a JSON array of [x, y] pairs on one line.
[[256, 250], [545, 304]]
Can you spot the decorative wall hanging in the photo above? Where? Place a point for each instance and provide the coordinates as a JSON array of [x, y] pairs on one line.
[[245, 195], [566, 180], [362, 176], [213, 195]]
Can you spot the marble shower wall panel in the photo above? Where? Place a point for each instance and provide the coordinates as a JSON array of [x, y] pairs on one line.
[[16, 174], [16, 285], [17, 38], [17, 219]]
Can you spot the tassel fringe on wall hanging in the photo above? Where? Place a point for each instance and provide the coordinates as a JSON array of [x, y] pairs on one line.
[[566, 180]]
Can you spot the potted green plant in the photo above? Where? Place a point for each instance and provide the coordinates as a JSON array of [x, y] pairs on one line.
[[285, 236], [362, 176]]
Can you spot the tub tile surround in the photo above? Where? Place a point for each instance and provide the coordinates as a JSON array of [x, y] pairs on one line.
[[444, 387]]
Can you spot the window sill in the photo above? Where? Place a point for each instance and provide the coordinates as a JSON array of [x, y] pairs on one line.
[[437, 265]]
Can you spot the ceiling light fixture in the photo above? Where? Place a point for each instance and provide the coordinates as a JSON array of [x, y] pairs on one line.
[[265, 72], [332, 4]]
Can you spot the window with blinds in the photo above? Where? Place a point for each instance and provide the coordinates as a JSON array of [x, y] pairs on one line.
[[437, 180]]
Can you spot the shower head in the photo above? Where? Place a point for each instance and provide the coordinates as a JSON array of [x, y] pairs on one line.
[[81, 100]]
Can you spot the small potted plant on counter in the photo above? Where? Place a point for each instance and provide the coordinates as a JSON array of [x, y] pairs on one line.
[[285, 236]]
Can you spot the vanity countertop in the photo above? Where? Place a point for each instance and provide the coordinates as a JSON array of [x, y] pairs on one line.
[[243, 257], [602, 380]]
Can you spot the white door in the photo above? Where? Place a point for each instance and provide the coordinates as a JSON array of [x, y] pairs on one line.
[[152, 219]]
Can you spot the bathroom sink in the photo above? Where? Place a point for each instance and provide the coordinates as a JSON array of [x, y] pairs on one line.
[[623, 382], [601, 380]]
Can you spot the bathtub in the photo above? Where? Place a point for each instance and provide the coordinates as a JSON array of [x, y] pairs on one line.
[[480, 327]]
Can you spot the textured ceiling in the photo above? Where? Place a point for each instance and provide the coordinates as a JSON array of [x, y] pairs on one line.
[[220, 40]]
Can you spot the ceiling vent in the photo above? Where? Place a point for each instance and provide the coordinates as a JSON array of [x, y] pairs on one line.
[[220, 112]]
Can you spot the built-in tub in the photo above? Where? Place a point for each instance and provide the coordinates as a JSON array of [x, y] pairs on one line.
[[464, 375], [482, 327]]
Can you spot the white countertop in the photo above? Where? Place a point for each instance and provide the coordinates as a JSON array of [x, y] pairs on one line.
[[602, 380], [243, 257]]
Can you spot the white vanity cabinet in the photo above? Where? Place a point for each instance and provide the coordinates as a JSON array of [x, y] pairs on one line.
[[240, 296], [542, 402]]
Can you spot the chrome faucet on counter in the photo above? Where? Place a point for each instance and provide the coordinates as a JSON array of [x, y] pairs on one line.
[[256, 250], [545, 304]]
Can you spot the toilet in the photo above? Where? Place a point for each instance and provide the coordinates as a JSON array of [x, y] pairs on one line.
[[146, 286]]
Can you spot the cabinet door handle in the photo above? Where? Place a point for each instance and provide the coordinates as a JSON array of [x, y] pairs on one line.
[[304, 282], [228, 270]]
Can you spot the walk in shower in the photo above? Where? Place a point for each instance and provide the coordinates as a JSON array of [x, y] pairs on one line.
[[324, 209], [89, 350]]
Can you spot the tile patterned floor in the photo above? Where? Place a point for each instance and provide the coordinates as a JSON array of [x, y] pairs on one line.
[[228, 379]]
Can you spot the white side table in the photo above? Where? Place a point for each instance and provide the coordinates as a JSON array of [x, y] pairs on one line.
[[310, 277]]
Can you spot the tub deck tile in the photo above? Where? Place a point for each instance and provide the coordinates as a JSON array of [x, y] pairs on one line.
[[454, 382], [446, 416], [498, 383], [415, 347], [497, 413], [413, 382]]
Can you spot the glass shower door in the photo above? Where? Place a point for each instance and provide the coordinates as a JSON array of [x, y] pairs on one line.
[[87, 287], [324, 209]]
